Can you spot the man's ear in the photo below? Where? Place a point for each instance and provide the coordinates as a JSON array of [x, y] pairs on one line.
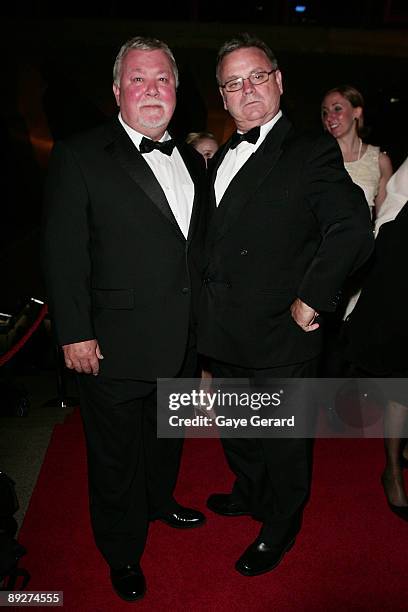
[[279, 81], [224, 98], [116, 93]]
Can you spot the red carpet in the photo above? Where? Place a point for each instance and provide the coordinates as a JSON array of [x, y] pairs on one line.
[[350, 555]]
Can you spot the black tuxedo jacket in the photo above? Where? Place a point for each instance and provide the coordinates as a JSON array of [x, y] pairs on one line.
[[291, 224], [117, 266]]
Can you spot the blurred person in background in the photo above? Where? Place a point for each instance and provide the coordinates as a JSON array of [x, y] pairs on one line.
[[376, 346], [343, 117], [342, 113], [204, 142], [397, 195]]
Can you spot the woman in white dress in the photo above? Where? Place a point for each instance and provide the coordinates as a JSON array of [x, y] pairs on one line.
[[343, 117]]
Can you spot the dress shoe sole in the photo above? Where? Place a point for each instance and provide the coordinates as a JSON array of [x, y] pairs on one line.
[[400, 511], [270, 567], [170, 524], [230, 514], [129, 599]]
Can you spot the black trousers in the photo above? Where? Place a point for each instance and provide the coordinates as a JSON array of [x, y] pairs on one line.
[[272, 475], [131, 473]]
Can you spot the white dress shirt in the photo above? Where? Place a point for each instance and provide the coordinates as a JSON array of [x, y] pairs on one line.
[[172, 175], [236, 158]]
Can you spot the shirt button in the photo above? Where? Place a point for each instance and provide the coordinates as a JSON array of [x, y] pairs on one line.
[[244, 252]]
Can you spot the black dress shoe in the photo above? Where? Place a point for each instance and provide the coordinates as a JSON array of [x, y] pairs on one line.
[[182, 518], [128, 582], [260, 557], [400, 511], [222, 503]]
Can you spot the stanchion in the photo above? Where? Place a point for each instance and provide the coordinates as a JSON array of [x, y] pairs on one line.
[[26, 315]]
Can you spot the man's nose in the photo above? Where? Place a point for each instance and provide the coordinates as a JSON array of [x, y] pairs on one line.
[[152, 89], [247, 86]]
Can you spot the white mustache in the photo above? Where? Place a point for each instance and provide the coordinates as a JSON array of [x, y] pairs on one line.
[[158, 104]]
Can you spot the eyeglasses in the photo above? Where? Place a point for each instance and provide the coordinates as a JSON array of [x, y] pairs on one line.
[[256, 78]]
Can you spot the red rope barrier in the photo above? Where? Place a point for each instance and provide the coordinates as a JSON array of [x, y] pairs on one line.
[[14, 349]]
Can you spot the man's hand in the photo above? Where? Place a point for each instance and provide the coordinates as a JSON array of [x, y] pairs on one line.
[[83, 357], [304, 315]]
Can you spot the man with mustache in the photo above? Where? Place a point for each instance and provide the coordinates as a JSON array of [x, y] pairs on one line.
[[123, 237], [288, 226]]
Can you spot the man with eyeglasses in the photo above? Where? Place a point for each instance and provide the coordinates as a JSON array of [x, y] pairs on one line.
[[288, 226]]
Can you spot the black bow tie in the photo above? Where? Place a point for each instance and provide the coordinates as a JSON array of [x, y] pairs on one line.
[[251, 136], [147, 145]]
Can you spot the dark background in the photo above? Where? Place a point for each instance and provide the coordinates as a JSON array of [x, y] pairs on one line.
[[56, 78]]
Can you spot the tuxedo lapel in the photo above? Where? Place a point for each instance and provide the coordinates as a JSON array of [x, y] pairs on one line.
[[249, 178], [125, 153]]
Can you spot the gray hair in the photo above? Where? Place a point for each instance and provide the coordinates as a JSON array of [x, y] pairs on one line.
[[143, 43], [244, 41]]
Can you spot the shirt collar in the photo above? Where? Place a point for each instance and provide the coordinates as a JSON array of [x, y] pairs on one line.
[[135, 136], [265, 129]]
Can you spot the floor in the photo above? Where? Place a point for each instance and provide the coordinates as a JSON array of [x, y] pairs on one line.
[[24, 439]]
